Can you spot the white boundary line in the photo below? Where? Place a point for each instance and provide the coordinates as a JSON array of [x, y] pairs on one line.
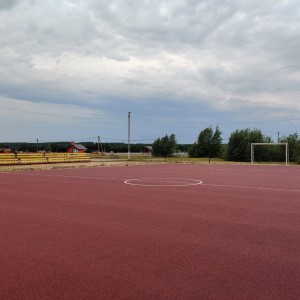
[[163, 182], [250, 187], [251, 169], [193, 182], [75, 176]]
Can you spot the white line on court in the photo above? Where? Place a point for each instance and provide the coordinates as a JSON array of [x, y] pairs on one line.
[[163, 182], [250, 187], [250, 170], [70, 176], [141, 181]]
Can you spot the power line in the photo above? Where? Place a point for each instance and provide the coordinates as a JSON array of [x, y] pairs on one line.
[[151, 119], [218, 123], [51, 115]]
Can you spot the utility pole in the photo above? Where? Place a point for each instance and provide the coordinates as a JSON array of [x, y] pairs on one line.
[[37, 145], [129, 135], [100, 144], [278, 137]]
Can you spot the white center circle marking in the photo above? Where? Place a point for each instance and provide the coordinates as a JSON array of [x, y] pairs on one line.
[[163, 182]]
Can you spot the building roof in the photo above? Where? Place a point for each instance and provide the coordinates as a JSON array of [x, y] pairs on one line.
[[78, 146]]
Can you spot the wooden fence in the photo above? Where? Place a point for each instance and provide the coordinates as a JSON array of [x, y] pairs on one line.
[[41, 158]]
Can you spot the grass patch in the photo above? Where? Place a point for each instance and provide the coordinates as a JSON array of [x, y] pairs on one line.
[[174, 159]]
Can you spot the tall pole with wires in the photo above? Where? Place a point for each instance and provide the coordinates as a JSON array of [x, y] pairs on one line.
[[129, 135]]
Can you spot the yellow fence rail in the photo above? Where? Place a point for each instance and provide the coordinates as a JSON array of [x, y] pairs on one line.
[[41, 158]]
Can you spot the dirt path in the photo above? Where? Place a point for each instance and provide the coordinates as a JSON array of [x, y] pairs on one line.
[[94, 163]]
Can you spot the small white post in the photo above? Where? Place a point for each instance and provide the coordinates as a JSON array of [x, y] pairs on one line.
[[287, 154], [129, 135]]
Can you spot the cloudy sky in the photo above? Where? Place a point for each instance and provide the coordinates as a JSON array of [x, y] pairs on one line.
[[73, 69]]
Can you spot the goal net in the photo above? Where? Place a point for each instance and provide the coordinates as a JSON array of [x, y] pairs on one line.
[[255, 155]]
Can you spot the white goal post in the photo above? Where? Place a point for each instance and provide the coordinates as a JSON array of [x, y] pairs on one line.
[[270, 144]]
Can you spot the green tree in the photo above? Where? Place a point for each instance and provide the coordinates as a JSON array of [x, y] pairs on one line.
[[293, 141], [193, 151], [164, 146], [48, 148], [208, 144], [239, 145], [205, 142], [216, 143]]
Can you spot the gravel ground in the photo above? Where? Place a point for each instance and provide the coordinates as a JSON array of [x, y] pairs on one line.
[[93, 163]]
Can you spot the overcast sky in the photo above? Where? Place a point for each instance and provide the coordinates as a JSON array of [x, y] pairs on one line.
[[73, 69]]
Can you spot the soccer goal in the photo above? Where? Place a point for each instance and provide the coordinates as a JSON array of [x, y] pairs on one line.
[[253, 145]]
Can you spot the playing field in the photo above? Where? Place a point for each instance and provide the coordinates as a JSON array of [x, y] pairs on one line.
[[165, 231]]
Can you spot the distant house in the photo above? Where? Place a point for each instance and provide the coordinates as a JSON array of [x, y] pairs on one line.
[[5, 150], [76, 148], [147, 149]]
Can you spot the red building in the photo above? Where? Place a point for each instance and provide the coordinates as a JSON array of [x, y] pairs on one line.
[[76, 148], [5, 150]]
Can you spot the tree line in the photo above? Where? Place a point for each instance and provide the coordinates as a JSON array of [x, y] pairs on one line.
[[91, 147], [209, 144], [62, 147]]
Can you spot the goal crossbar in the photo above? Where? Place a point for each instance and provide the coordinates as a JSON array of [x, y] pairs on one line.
[[271, 144]]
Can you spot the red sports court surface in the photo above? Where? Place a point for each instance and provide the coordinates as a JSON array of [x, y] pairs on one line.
[[170, 231]]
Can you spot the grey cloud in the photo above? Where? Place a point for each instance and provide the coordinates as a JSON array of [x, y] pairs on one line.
[[201, 53], [161, 25], [7, 4]]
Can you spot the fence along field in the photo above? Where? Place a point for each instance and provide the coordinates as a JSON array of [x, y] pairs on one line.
[[41, 158]]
